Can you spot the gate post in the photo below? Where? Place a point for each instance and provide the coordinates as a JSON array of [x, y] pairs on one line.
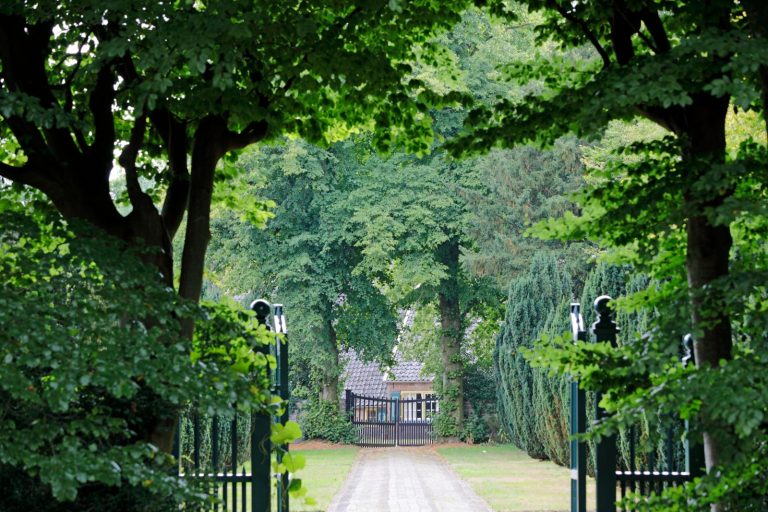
[[348, 402], [281, 349], [605, 329], [578, 424], [261, 447]]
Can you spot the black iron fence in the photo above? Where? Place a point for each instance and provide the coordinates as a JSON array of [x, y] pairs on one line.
[[392, 421], [231, 457], [667, 461]]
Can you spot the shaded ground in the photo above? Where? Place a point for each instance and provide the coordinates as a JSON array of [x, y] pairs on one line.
[[404, 479]]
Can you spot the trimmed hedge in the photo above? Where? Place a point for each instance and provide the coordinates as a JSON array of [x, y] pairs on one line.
[[206, 440]]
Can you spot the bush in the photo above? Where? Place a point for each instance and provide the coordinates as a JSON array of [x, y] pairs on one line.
[[91, 351], [320, 419], [475, 429], [187, 442], [444, 425]]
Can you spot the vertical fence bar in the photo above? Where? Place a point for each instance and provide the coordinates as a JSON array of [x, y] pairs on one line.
[[605, 329], [196, 441], [243, 494], [281, 348], [215, 454], [578, 424], [233, 460], [261, 449], [397, 421]]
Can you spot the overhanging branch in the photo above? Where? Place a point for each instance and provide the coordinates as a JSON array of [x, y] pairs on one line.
[[591, 37]]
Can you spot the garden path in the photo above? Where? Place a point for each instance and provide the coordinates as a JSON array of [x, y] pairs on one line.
[[404, 480]]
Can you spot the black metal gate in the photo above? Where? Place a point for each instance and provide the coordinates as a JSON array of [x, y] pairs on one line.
[[670, 462], [233, 456], [391, 421]]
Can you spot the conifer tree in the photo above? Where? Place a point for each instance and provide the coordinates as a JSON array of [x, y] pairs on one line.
[[532, 299]]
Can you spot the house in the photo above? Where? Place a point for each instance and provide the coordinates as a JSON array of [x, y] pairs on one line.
[[404, 381]]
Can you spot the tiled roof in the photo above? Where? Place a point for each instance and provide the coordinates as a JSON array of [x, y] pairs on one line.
[[366, 378], [363, 378], [408, 371]]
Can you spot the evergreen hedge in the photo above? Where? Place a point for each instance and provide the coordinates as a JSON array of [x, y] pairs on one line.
[[187, 442], [525, 402], [534, 407]]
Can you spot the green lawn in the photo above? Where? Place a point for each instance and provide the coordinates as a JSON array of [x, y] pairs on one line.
[[323, 475], [511, 481]]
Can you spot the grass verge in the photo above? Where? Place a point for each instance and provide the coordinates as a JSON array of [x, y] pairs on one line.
[[511, 481], [323, 476]]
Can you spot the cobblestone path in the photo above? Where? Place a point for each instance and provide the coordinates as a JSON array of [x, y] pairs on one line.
[[404, 480]]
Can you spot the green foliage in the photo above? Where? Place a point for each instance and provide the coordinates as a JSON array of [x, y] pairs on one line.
[[444, 423], [520, 187], [321, 419], [224, 440], [91, 346], [475, 429], [669, 206], [533, 299], [304, 260]]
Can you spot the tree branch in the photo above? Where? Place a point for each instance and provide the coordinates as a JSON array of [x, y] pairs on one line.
[[24, 175], [252, 134], [656, 28], [585, 30], [100, 103], [624, 25], [174, 136], [128, 161]]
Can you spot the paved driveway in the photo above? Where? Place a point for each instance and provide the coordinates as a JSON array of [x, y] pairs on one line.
[[404, 480]]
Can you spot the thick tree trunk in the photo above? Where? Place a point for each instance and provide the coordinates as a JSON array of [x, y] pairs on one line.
[[330, 382], [451, 333], [708, 248]]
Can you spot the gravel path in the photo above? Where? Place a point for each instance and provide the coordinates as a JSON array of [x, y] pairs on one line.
[[404, 480]]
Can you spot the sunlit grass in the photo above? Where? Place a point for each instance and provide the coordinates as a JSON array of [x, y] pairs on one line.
[[511, 481], [323, 476]]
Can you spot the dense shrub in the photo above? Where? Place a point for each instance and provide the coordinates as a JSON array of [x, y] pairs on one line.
[[532, 299], [320, 419], [480, 397], [91, 350], [475, 429], [187, 441]]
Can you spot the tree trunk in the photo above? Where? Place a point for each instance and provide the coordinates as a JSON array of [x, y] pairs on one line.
[[330, 380], [451, 333], [708, 248]]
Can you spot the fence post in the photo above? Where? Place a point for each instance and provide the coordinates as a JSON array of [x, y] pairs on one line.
[[605, 329], [578, 424], [283, 498], [694, 452], [397, 421], [261, 447], [348, 403]]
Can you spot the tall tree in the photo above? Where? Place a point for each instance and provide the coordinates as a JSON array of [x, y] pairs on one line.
[[519, 188], [303, 259], [175, 86], [409, 218], [679, 65]]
